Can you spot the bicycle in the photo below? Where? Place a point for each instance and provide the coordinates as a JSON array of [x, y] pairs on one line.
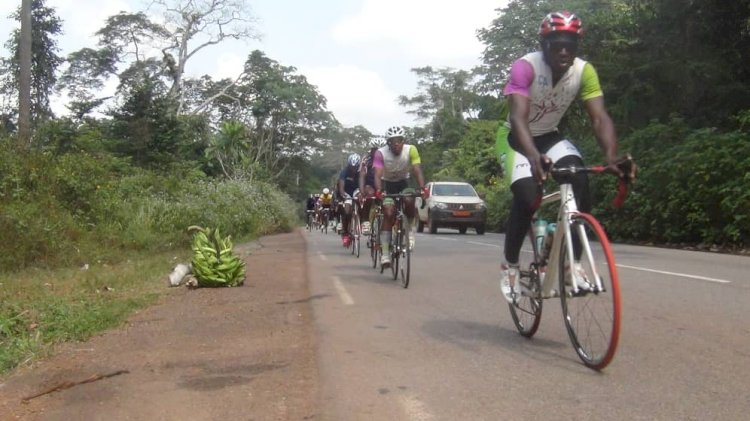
[[355, 229], [310, 219], [324, 215], [373, 241], [400, 240], [590, 299]]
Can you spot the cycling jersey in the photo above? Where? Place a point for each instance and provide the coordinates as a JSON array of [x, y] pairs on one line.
[[396, 167], [351, 180], [326, 199], [531, 77]]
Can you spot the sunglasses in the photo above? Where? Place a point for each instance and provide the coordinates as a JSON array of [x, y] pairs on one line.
[[558, 45]]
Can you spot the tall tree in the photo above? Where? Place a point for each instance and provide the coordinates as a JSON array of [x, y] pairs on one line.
[[24, 91], [45, 25]]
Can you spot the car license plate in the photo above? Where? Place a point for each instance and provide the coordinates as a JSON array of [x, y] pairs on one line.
[[461, 213]]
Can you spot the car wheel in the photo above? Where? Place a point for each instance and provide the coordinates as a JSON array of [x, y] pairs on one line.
[[462, 230], [420, 226], [480, 229], [431, 225]]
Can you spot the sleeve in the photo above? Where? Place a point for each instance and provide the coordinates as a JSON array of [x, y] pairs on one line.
[[414, 158], [377, 160], [590, 87], [521, 78]]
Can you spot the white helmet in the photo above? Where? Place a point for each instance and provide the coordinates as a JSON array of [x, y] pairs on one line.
[[353, 160], [326, 191], [395, 131]]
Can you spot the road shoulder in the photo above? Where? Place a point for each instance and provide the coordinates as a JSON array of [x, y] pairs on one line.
[[248, 352]]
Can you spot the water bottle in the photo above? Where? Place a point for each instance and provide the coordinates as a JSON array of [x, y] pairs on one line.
[[548, 238], [540, 230]]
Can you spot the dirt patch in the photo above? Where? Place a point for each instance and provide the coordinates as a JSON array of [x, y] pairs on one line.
[[230, 353]]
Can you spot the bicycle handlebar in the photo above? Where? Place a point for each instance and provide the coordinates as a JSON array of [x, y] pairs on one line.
[[626, 164]]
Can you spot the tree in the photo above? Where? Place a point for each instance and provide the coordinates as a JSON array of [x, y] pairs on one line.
[[24, 91], [45, 25]]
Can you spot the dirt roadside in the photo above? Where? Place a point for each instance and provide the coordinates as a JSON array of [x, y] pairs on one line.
[[246, 353]]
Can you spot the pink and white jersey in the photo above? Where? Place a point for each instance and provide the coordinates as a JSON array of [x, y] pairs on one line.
[[532, 78]]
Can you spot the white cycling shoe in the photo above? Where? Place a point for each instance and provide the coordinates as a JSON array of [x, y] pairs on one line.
[[507, 274]]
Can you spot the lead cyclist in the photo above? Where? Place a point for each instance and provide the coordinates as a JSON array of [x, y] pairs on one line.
[[541, 87], [393, 164]]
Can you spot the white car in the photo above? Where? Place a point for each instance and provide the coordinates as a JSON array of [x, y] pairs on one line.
[[452, 205]]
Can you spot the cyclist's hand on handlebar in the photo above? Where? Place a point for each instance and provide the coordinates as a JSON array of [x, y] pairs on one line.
[[424, 192], [379, 194], [540, 165]]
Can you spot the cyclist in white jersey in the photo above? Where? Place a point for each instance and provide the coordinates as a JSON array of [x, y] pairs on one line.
[[393, 164], [541, 87]]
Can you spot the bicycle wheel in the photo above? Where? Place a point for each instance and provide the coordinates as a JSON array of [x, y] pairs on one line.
[[356, 233], [592, 315], [405, 252], [526, 312], [395, 248], [376, 250]]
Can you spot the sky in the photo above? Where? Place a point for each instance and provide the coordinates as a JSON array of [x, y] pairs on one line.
[[359, 53]]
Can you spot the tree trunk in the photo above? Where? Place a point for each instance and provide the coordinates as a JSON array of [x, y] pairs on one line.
[[24, 93]]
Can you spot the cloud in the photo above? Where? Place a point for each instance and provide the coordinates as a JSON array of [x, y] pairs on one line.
[[425, 28], [357, 96], [82, 18]]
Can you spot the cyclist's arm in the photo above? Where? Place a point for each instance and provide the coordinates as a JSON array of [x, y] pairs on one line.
[[517, 92], [601, 122], [342, 192], [416, 165], [378, 165]]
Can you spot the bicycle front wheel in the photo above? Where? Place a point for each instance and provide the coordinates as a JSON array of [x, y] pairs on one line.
[[396, 248], [405, 252], [592, 314], [356, 232], [375, 249], [526, 312]]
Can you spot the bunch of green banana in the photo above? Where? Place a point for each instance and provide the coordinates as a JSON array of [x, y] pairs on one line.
[[213, 263]]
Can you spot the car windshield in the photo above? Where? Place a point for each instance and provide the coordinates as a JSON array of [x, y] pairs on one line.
[[453, 190]]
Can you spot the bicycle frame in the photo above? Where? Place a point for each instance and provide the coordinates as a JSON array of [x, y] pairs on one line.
[[563, 233]]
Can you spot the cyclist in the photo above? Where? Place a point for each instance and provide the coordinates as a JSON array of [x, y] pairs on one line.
[[541, 87], [393, 164], [326, 201], [309, 208], [367, 187], [347, 190]]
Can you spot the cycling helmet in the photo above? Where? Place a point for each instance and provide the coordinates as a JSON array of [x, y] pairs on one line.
[[561, 22], [326, 191], [375, 144], [394, 131], [353, 160]]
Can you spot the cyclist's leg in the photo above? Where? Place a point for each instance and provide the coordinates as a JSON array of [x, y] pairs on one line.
[[410, 209], [564, 153]]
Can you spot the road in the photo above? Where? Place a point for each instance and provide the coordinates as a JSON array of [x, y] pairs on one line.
[[446, 348]]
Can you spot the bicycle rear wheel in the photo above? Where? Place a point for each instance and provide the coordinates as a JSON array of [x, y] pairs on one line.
[[592, 315], [405, 252], [526, 312]]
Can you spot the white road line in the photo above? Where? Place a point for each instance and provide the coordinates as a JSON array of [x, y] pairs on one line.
[[483, 244], [343, 294], [445, 239], [322, 256], [684, 275], [415, 409]]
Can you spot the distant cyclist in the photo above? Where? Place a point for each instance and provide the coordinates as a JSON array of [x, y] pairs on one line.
[[393, 165], [310, 208], [367, 186], [347, 190], [326, 203], [542, 86]]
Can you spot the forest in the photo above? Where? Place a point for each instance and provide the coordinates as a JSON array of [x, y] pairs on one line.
[[130, 172]]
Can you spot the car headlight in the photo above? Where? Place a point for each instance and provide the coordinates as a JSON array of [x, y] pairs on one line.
[[479, 205], [440, 205]]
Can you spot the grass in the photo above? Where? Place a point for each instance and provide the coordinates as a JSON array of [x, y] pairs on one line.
[[42, 308]]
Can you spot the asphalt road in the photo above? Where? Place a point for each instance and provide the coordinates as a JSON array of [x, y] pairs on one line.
[[446, 347]]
